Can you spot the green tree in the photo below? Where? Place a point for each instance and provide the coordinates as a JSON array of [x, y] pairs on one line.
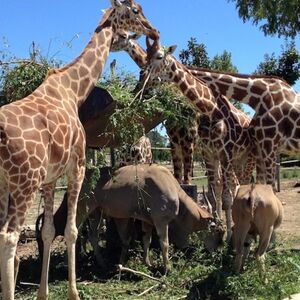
[[160, 141], [195, 55], [223, 62], [23, 79], [20, 77], [157, 140], [286, 65], [274, 17]]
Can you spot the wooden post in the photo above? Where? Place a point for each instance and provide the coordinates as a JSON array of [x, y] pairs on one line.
[[191, 190]]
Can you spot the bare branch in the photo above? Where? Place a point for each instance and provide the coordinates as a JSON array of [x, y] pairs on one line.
[[21, 61], [121, 268], [148, 290]]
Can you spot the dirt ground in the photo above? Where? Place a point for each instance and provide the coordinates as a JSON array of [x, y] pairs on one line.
[[288, 232]]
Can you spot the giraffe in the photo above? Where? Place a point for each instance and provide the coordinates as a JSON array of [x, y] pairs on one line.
[[41, 138], [137, 153], [243, 171], [276, 123], [182, 138], [229, 137]]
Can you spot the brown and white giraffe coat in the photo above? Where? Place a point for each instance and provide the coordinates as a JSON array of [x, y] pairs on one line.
[[182, 146], [228, 133], [137, 153], [276, 123], [41, 138]]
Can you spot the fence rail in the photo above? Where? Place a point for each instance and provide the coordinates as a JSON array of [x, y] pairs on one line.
[[295, 161]]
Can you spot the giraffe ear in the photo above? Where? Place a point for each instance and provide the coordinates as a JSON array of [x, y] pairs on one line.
[[171, 49], [116, 3]]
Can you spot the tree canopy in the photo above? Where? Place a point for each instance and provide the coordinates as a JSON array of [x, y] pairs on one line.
[[286, 65], [274, 17], [196, 56]]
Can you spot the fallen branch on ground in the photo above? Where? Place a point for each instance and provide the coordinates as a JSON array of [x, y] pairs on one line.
[[121, 268], [148, 290]]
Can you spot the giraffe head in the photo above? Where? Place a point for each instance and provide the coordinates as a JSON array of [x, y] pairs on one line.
[[126, 15], [159, 64], [122, 41]]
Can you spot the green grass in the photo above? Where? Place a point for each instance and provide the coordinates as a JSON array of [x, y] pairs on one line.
[[285, 174], [290, 173], [195, 275]]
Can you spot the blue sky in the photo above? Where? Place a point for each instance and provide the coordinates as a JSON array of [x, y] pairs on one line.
[[215, 23]]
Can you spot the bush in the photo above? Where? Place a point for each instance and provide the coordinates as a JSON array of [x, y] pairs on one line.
[[22, 80]]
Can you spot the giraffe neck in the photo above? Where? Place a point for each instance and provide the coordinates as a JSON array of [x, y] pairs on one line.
[[78, 78], [137, 53], [194, 89], [249, 89]]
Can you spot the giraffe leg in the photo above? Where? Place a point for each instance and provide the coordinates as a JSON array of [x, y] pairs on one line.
[[247, 175], [271, 169], [218, 189], [260, 166], [4, 200], [9, 236], [177, 161], [188, 163], [75, 179], [227, 198], [8, 247], [48, 234], [214, 183]]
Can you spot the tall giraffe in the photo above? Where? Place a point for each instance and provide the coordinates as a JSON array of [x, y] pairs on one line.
[[228, 127], [183, 140], [276, 123], [239, 120], [41, 138]]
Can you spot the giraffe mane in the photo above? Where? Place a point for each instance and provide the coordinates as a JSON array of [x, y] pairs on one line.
[[51, 72], [105, 19], [240, 75]]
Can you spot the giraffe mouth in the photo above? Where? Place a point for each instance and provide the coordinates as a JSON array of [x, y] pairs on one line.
[[151, 32]]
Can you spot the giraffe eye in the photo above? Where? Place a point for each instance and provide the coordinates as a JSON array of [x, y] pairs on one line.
[[135, 10], [159, 56]]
